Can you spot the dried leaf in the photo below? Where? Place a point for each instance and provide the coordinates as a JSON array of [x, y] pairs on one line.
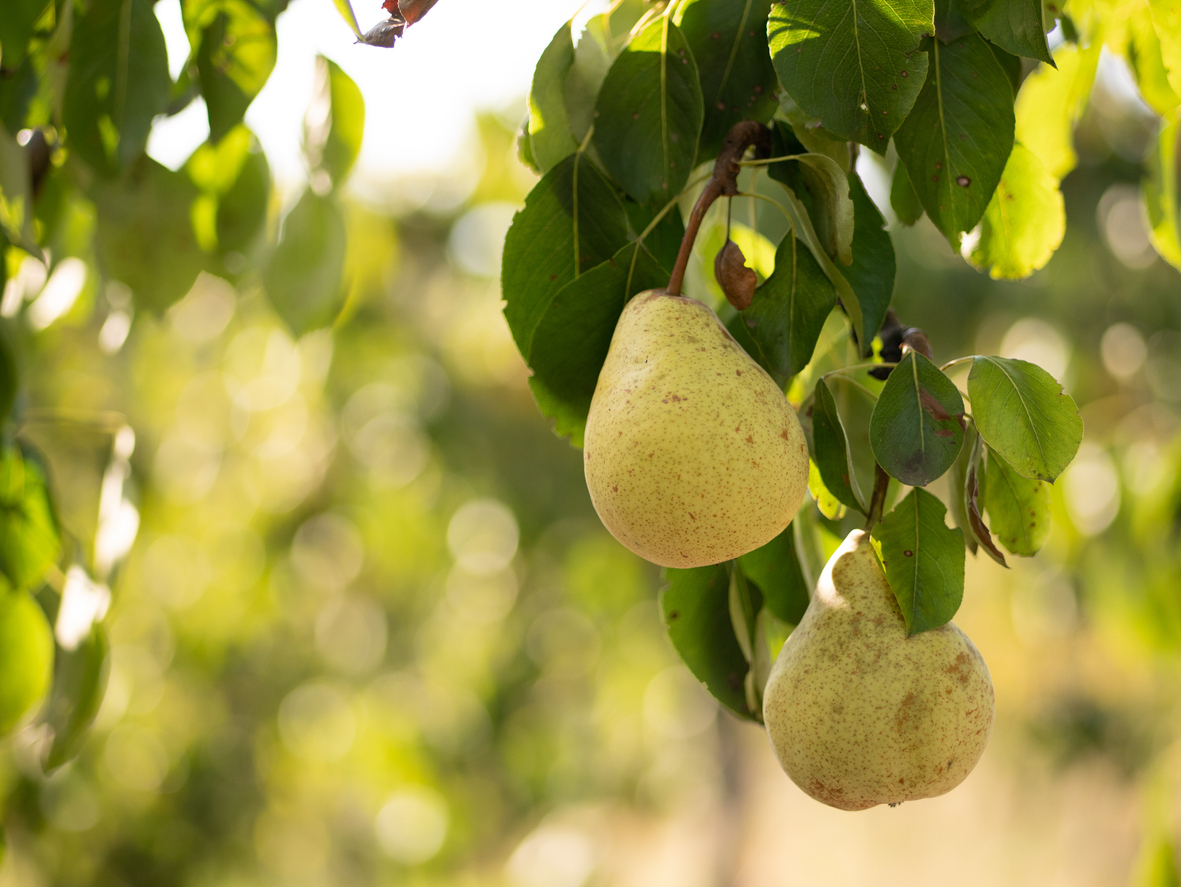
[[736, 280]]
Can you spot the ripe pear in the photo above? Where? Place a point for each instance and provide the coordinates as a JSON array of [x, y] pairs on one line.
[[692, 454], [858, 713]]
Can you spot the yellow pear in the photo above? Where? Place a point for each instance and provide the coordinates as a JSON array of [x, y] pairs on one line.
[[858, 713], [692, 453], [26, 657]]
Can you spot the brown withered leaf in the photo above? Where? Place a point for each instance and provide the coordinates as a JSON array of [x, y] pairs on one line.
[[736, 280], [975, 518]]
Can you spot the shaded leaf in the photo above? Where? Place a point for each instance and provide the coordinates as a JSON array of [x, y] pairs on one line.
[[145, 236], [917, 428], [648, 115], [79, 685], [853, 65], [117, 83], [541, 254], [16, 195], [16, 27], [788, 311], [775, 570], [956, 140], [1018, 508], [1049, 104], [728, 39], [1024, 415], [832, 454], [874, 265], [574, 335], [234, 46], [923, 559], [304, 276], [550, 138], [1025, 220], [335, 122], [903, 199], [695, 605]]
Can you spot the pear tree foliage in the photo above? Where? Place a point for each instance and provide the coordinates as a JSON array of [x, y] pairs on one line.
[[973, 105]]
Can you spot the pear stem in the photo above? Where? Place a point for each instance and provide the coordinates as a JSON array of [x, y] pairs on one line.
[[724, 182], [877, 502]]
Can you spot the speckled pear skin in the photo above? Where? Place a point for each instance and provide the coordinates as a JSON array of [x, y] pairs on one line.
[[692, 453], [858, 713]]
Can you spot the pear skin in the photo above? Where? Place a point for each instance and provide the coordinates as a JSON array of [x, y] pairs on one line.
[[858, 713], [692, 453]]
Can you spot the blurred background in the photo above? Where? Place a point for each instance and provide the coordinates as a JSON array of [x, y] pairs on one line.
[[372, 632]]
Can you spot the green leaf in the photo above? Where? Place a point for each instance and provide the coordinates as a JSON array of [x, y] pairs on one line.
[[833, 456], [802, 134], [9, 372], [956, 140], [16, 195], [235, 181], [574, 335], [874, 265], [923, 559], [801, 223], [332, 140], [852, 64], [1166, 16], [28, 528], [304, 277], [79, 685], [1160, 193], [1144, 55], [917, 428], [1025, 220], [550, 139], [775, 570], [695, 605], [649, 113], [903, 199], [1014, 25], [345, 8], [663, 240], [1011, 64], [235, 49], [145, 235], [728, 39], [525, 147], [571, 222], [118, 82], [1018, 508], [1024, 415], [1049, 104], [831, 204], [16, 27], [828, 504], [788, 311]]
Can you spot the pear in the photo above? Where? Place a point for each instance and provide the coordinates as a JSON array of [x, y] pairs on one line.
[[692, 454], [858, 713]]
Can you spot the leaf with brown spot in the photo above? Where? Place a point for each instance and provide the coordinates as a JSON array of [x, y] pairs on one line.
[[976, 527]]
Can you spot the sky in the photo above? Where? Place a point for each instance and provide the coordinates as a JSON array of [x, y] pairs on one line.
[[420, 97]]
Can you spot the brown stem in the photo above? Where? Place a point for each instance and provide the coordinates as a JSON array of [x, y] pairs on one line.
[[723, 183], [877, 502]]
